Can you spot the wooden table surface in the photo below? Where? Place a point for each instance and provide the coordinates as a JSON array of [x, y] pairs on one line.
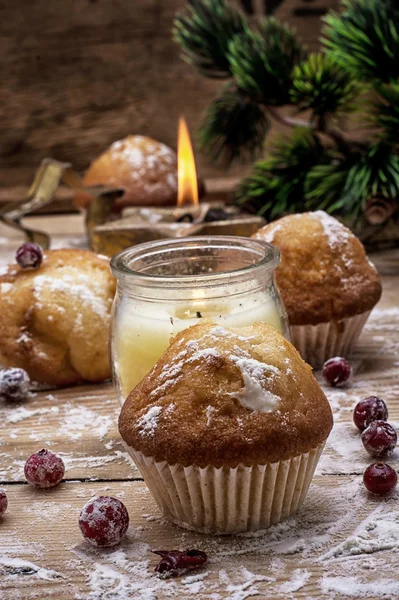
[[342, 544]]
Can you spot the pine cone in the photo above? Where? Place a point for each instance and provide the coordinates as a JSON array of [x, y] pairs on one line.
[[379, 210]]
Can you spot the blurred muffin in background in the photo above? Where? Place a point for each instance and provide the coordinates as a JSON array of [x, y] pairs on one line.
[[145, 169], [327, 283], [54, 320]]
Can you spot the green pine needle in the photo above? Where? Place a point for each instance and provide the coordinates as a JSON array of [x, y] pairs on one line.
[[365, 38], [386, 112], [204, 35], [375, 174], [234, 128], [319, 166], [322, 85], [325, 186], [262, 62], [276, 185]]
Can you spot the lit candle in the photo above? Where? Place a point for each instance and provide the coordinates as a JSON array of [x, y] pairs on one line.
[[167, 286], [144, 331]]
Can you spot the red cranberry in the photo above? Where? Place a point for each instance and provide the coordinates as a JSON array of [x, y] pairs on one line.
[[174, 562], [104, 521], [379, 439], [29, 256], [14, 384], [380, 478], [3, 502], [336, 371], [44, 469], [368, 410]]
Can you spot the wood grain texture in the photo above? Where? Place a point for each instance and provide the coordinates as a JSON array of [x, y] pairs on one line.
[[81, 74], [342, 544], [42, 527]]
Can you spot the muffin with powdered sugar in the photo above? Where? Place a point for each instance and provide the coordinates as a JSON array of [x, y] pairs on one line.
[[54, 320], [227, 428], [326, 281]]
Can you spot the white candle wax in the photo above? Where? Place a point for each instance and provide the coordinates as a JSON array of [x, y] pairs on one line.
[[143, 330]]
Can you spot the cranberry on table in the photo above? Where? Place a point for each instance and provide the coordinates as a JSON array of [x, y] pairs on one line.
[[368, 410], [14, 384], [336, 371], [380, 478], [104, 521], [3, 502], [44, 469], [379, 439], [29, 256]]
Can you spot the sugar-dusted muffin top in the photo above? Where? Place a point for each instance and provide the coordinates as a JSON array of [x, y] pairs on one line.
[[54, 321], [324, 273], [227, 396], [144, 168]]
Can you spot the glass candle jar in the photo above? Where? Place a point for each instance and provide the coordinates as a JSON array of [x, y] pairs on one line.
[[164, 287]]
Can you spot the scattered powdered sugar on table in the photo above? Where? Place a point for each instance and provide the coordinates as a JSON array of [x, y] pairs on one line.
[[345, 454], [127, 573], [42, 511], [299, 579], [354, 587], [21, 413], [79, 418], [17, 566]]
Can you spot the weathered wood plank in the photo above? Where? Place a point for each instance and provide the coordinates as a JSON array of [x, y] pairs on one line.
[[79, 423], [81, 74], [307, 557]]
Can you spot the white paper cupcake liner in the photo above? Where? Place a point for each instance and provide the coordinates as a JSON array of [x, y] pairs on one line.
[[318, 343], [228, 500]]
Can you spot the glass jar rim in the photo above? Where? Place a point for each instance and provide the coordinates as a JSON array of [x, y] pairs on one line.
[[269, 258]]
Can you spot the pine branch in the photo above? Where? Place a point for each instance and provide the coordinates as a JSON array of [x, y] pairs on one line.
[[276, 185], [375, 174], [233, 128], [325, 186], [205, 33], [386, 112], [338, 137], [262, 62], [322, 86], [364, 38]]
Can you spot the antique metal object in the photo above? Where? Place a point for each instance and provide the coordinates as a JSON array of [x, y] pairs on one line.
[[143, 224], [47, 179]]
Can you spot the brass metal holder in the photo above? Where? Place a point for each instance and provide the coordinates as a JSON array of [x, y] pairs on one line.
[[47, 179], [109, 233], [145, 224]]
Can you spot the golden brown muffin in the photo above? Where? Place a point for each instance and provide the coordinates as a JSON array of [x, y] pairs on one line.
[[221, 396], [143, 167], [54, 320], [324, 274]]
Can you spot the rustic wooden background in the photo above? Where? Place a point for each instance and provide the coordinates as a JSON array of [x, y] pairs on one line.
[[78, 75]]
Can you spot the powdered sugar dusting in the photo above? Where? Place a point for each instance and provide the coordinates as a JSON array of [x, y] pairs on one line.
[[153, 165], [337, 233], [255, 394], [16, 566], [149, 421], [299, 579], [74, 284]]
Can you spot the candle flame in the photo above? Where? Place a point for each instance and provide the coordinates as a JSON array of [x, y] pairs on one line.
[[187, 186]]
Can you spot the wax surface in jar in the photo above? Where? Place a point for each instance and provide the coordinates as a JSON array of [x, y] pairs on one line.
[[143, 330]]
